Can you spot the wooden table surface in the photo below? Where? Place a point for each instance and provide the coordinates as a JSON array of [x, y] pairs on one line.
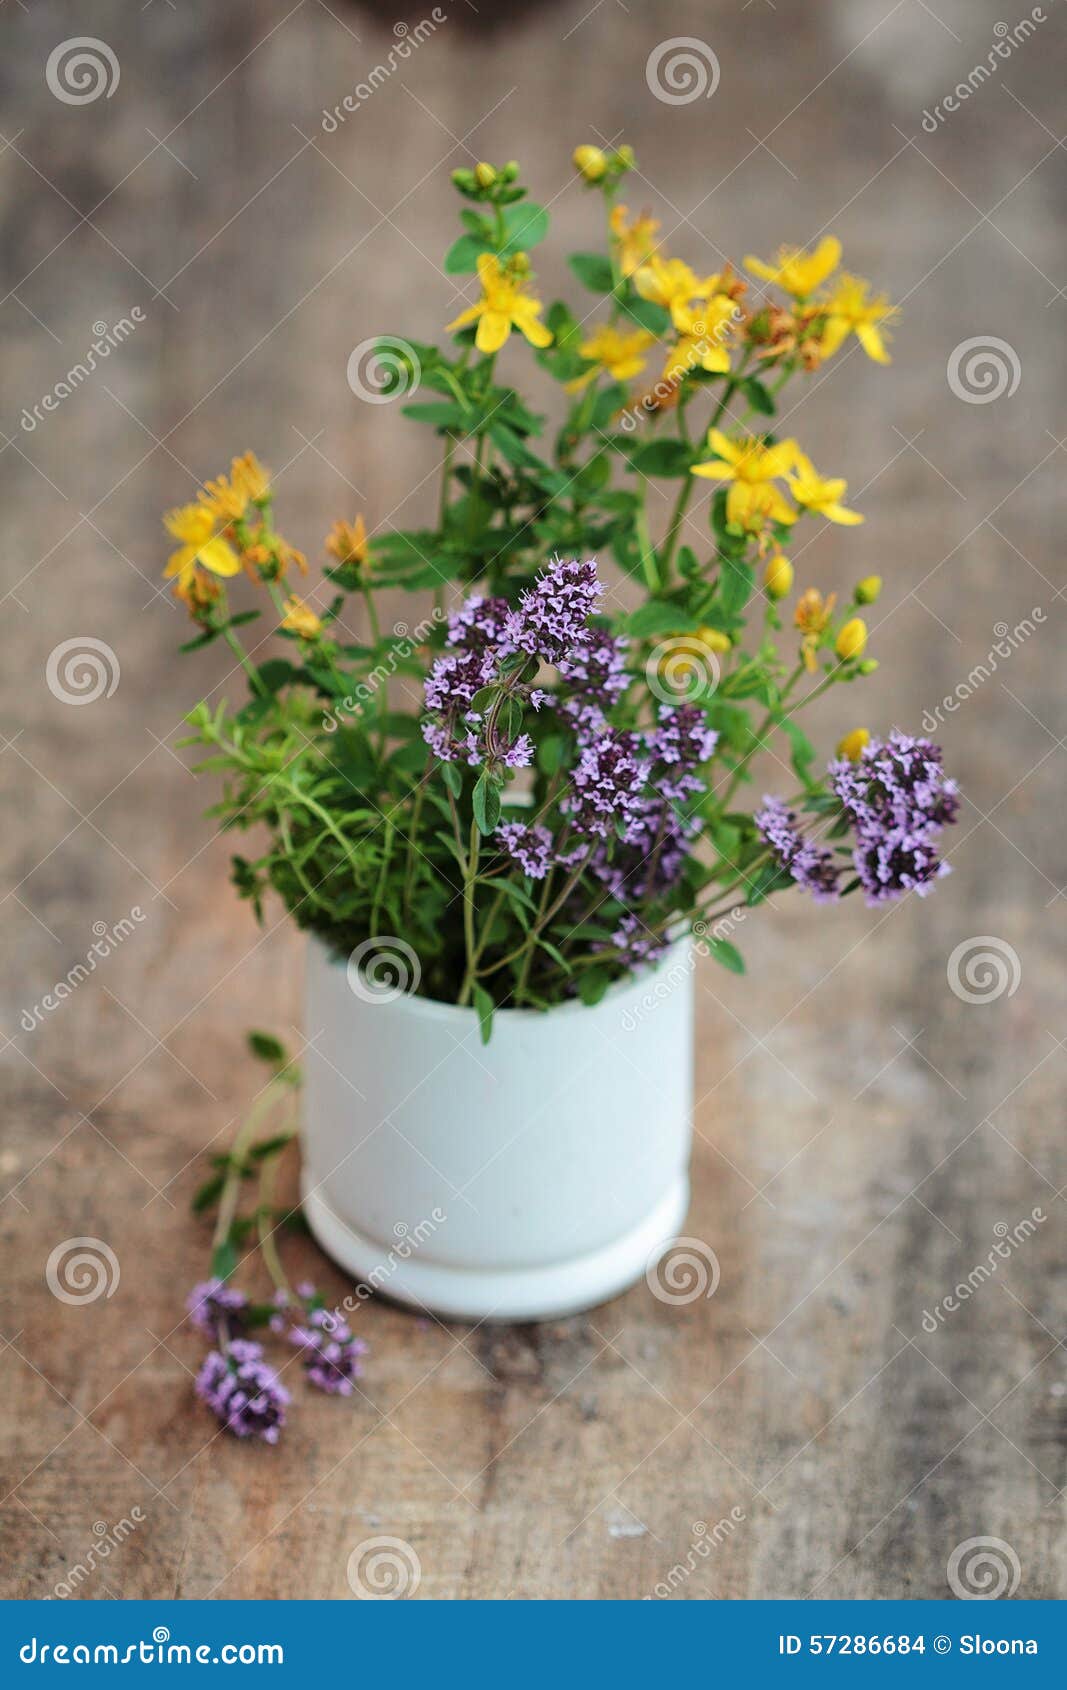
[[865, 1135]]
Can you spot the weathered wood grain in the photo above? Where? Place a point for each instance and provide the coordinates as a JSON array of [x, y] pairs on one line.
[[861, 1130]]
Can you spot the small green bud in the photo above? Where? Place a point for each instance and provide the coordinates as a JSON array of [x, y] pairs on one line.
[[484, 175], [868, 590], [867, 667]]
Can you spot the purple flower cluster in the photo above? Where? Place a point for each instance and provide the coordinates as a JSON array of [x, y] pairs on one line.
[[243, 1391], [811, 866], [212, 1302], [607, 785], [595, 676], [478, 641], [898, 799], [552, 619], [637, 946], [532, 847], [678, 746], [331, 1354]]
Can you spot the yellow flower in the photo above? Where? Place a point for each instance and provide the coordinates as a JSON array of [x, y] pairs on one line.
[[227, 498], [852, 744], [750, 465], [670, 282], [347, 542], [503, 305], [778, 576], [249, 473], [194, 526], [619, 351], [869, 589], [852, 640], [714, 639], [589, 162], [301, 619], [703, 342], [634, 240], [849, 311], [821, 497], [812, 617], [796, 271]]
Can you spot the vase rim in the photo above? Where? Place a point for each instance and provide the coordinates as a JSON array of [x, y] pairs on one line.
[[417, 1003]]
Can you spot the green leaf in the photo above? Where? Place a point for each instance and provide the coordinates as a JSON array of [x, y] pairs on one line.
[[593, 270], [201, 639], [525, 225], [208, 1194], [462, 256], [803, 752], [452, 778], [267, 1048], [662, 457], [770, 878], [486, 801], [735, 585], [550, 753], [440, 414], [269, 1146], [660, 616], [758, 396], [592, 984], [727, 954], [483, 1003], [647, 314], [223, 1260]]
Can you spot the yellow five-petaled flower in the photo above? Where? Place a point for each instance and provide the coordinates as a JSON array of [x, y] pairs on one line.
[[798, 272], [850, 311], [634, 240], [504, 305], [201, 547], [750, 466], [619, 351], [820, 496], [300, 619]]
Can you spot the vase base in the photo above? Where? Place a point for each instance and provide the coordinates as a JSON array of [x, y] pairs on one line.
[[501, 1294]]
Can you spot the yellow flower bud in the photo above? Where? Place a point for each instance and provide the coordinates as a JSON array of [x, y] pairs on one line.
[[778, 576], [852, 744], [590, 162], [624, 158], [484, 175], [852, 640], [714, 639], [868, 589]]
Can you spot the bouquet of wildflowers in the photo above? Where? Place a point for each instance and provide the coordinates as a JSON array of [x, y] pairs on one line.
[[532, 789]]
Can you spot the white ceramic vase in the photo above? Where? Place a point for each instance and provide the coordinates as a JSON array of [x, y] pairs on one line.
[[525, 1179]]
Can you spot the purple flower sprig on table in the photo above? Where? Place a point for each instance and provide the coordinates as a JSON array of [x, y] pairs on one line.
[[243, 1391], [812, 866]]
